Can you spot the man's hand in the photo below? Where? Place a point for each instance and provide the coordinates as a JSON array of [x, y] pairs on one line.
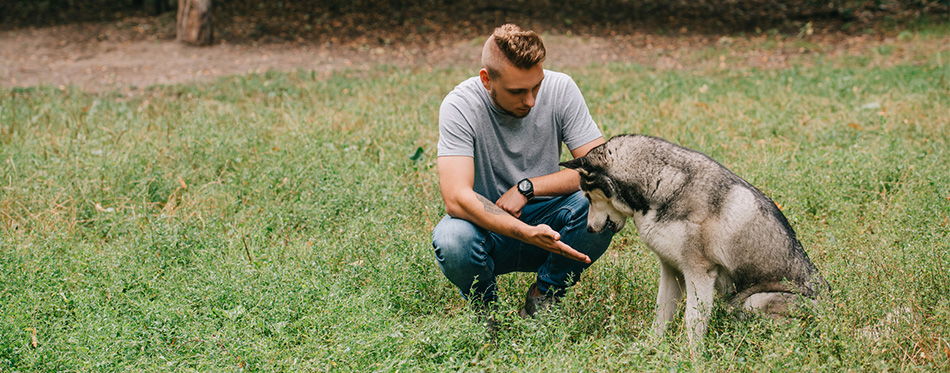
[[546, 238], [540, 235], [512, 201]]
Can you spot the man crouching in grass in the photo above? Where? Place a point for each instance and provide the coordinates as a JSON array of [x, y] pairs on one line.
[[510, 207]]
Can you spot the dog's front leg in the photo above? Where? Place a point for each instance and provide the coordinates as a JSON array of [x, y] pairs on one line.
[[700, 289], [667, 298]]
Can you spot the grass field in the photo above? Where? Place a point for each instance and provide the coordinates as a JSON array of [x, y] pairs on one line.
[[282, 222]]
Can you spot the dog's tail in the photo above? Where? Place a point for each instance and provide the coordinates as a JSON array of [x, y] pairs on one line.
[[810, 289], [769, 287]]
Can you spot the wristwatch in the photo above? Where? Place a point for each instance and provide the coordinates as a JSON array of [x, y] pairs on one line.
[[526, 188]]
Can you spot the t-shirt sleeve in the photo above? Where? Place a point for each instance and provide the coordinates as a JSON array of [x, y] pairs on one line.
[[456, 136], [577, 126]]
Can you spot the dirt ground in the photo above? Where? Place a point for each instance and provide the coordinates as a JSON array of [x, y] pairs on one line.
[[127, 56]]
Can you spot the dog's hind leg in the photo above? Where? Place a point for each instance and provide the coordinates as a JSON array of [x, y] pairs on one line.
[[700, 290], [667, 298]]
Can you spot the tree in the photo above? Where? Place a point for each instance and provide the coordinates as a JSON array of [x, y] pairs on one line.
[[194, 22]]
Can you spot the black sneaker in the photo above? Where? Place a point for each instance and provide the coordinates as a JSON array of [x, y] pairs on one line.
[[536, 302]]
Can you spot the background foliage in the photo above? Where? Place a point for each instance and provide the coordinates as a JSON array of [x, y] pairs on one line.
[[312, 19]]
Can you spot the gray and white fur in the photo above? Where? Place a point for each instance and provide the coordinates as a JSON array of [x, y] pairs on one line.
[[711, 230]]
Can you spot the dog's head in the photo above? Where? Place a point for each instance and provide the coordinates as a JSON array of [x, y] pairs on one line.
[[606, 210]]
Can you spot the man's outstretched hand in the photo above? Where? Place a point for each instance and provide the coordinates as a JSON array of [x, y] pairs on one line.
[[540, 235], [549, 239]]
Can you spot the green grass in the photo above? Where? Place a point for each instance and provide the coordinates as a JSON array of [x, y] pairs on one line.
[[282, 222]]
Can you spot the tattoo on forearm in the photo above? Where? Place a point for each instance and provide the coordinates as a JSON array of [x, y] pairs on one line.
[[490, 207], [517, 234]]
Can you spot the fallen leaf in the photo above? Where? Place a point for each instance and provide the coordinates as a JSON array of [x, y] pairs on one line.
[[33, 341], [101, 209], [182, 182], [702, 105], [170, 205], [417, 155], [855, 126]]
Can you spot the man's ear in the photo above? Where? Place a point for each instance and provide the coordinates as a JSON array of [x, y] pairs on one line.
[[486, 78], [580, 165]]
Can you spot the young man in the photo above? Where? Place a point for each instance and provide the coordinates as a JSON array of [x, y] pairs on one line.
[[510, 207]]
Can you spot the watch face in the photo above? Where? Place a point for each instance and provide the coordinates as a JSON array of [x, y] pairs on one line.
[[524, 185]]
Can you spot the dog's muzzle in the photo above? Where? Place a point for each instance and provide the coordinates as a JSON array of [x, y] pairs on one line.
[[607, 224]]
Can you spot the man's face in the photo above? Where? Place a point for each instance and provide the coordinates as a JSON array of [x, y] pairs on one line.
[[515, 90]]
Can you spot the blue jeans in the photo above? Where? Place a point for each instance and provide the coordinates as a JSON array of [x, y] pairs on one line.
[[471, 257]]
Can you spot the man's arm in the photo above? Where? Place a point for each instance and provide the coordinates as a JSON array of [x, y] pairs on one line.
[[586, 148], [457, 180], [560, 183]]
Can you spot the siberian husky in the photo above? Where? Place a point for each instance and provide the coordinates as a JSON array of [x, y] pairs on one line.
[[711, 230]]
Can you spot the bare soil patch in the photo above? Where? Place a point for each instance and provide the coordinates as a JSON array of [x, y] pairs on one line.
[[140, 51]]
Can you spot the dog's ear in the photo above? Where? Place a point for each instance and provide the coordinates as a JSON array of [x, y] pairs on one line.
[[581, 165]]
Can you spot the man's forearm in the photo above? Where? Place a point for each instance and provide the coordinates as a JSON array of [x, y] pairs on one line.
[[486, 214], [557, 184], [480, 211]]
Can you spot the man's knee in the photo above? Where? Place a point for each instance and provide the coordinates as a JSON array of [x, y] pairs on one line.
[[460, 248], [454, 241], [578, 204]]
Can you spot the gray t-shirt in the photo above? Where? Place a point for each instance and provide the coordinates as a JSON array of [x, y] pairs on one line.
[[507, 149]]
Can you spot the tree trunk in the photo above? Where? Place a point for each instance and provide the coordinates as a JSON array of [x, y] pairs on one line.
[[194, 22]]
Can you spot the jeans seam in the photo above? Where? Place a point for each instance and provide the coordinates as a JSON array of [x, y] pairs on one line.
[[558, 211]]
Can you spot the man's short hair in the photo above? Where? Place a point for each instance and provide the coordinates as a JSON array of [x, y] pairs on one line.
[[521, 48]]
